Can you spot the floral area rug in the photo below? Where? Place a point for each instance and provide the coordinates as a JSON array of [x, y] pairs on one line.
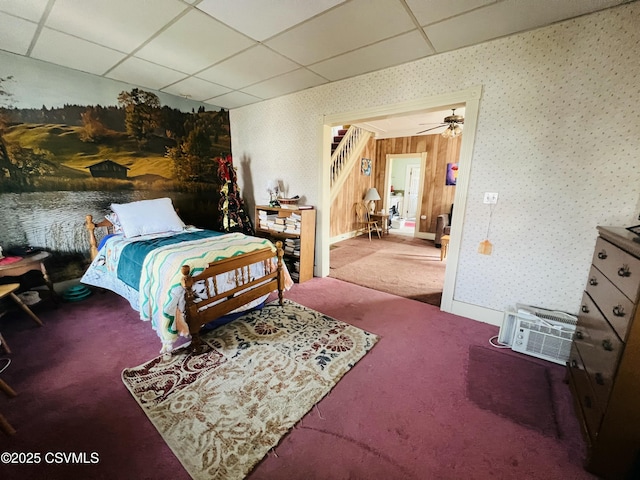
[[222, 411]]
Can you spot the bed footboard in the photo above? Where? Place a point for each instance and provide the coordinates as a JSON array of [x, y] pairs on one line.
[[247, 288]]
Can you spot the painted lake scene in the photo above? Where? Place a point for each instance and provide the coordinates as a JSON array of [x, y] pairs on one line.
[[58, 164]]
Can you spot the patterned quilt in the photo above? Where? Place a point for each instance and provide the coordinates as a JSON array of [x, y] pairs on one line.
[[159, 297]]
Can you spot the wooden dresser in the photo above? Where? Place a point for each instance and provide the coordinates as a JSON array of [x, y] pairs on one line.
[[604, 366]]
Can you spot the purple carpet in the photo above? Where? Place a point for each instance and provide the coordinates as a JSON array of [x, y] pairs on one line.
[[402, 412], [511, 386]]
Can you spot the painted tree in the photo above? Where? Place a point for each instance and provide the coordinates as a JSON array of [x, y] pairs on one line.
[[4, 95], [92, 128], [141, 114]]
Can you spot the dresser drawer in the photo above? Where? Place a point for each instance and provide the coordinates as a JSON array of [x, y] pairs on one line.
[[599, 347], [619, 266], [584, 394], [615, 306]]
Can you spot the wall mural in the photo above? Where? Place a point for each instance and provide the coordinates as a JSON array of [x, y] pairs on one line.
[[60, 163]]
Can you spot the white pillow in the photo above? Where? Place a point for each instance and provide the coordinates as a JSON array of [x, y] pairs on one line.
[[147, 216]]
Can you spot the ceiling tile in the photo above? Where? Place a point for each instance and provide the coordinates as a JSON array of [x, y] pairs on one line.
[[289, 82], [120, 24], [140, 72], [233, 100], [249, 67], [28, 9], [352, 25], [431, 11], [504, 18], [195, 89], [68, 51], [387, 53], [193, 43], [15, 34], [264, 21]]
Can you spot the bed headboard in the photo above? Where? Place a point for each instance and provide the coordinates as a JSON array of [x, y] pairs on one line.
[[91, 229]]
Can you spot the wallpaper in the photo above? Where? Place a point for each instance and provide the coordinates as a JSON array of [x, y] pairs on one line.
[[557, 138]]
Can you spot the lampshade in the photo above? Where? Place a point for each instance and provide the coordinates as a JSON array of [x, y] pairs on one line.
[[452, 131], [372, 194]]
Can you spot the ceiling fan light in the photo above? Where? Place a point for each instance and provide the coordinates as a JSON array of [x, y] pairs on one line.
[[452, 131]]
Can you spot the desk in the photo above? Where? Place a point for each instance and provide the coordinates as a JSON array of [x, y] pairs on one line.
[[27, 264], [382, 219]]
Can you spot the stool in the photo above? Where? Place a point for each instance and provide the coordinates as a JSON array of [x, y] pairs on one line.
[[444, 247], [8, 290], [5, 426]]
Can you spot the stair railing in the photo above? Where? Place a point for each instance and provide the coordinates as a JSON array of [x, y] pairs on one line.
[[346, 154]]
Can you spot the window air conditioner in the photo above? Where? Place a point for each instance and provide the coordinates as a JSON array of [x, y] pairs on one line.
[[538, 332]]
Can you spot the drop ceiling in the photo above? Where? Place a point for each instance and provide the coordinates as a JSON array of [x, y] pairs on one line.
[[230, 53]]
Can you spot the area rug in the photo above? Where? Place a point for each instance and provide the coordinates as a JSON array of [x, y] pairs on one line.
[[404, 266], [513, 387], [221, 412]]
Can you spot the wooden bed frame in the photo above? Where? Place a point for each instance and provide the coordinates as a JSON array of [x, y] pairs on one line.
[[217, 303]]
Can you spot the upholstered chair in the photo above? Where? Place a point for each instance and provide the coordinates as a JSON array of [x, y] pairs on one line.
[[443, 226]]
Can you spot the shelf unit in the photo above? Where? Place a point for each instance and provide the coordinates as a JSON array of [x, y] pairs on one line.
[[304, 238]]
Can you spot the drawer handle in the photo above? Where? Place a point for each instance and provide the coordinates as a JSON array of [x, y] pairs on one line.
[[593, 281], [618, 311], [607, 345], [584, 309], [579, 335], [623, 271], [574, 364], [599, 379], [602, 254]]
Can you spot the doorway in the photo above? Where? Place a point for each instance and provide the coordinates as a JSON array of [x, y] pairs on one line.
[[403, 190], [470, 98]]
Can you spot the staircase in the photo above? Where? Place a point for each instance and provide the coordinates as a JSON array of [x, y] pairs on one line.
[[337, 139], [346, 149]]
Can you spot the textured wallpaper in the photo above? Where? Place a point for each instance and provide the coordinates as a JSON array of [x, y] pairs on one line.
[[558, 138]]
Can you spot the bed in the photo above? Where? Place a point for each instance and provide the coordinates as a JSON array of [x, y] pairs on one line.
[[181, 278]]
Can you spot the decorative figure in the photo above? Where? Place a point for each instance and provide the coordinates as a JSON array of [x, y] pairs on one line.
[[232, 216]]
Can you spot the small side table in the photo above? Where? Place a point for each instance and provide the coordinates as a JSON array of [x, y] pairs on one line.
[[383, 221], [27, 264], [444, 247]]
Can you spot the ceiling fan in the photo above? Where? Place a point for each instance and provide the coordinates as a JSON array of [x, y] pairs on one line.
[[452, 122]]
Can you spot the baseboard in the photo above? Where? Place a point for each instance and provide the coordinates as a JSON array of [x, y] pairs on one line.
[[475, 312], [343, 236]]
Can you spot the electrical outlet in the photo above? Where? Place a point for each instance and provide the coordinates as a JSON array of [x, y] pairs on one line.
[[490, 197]]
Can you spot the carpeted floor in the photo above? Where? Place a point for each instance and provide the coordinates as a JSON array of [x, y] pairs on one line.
[[401, 412], [512, 386], [222, 411], [404, 266]]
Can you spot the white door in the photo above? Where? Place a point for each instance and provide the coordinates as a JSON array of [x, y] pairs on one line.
[[411, 192]]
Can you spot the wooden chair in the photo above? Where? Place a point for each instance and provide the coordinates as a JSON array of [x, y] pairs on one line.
[[365, 224], [7, 290]]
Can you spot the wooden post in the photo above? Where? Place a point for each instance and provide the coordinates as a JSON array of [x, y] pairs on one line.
[[93, 244], [280, 253], [197, 346]]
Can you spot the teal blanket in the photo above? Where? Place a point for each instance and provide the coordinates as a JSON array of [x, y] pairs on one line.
[[133, 255]]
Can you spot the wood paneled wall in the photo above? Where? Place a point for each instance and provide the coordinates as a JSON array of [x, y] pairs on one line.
[[343, 214], [437, 197]]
